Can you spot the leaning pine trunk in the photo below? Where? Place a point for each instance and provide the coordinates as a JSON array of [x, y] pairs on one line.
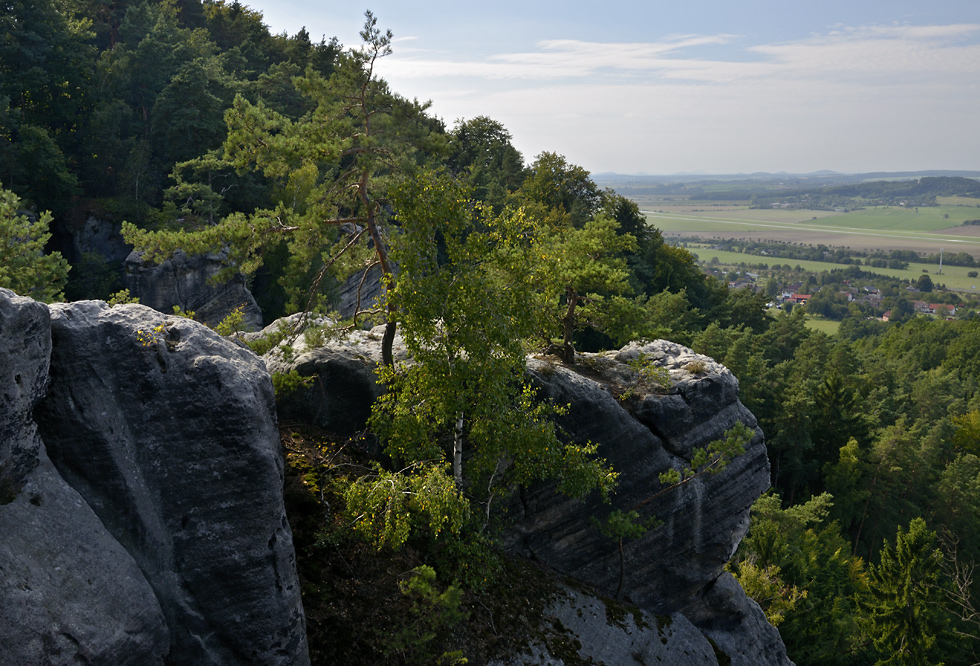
[[458, 451]]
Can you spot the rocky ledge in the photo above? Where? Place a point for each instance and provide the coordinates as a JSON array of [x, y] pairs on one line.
[[643, 428], [140, 494]]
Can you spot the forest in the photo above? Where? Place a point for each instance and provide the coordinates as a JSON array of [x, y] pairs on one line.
[[190, 126]]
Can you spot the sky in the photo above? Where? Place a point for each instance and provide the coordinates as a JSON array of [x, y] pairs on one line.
[[688, 86]]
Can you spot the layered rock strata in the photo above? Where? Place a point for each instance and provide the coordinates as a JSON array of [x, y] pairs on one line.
[[188, 282], [642, 429], [144, 521]]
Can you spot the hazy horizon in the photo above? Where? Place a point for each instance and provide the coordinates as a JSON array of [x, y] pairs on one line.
[[710, 87]]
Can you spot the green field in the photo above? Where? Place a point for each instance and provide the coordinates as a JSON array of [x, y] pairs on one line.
[[827, 326], [891, 218], [959, 201], [882, 228], [954, 277]]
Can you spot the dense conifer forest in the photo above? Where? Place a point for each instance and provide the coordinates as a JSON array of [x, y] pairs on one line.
[[189, 125]]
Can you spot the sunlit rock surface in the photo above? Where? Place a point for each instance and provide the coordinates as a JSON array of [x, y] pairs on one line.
[[69, 592], [186, 281], [158, 534], [642, 429]]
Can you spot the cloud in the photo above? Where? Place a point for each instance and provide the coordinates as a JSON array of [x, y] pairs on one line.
[[850, 98], [868, 51]]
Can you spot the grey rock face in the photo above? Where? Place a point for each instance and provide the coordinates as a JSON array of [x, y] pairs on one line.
[[678, 566], [360, 291], [345, 384], [168, 432], [69, 592], [616, 638], [101, 237], [185, 281]]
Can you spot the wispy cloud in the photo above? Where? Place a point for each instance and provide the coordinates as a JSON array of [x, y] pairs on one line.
[[829, 100], [870, 50]]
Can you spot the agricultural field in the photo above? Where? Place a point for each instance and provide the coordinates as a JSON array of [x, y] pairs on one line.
[[886, 227], [954, 277], [959, 201]]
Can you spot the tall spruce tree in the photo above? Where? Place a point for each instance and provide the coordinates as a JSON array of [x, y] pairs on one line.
[[905, 615]]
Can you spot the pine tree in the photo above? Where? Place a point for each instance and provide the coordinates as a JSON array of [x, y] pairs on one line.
[[905, 617]]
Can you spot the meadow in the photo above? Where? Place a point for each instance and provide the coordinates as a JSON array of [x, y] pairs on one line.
[[926, 229], [827, 326], [954, 277]]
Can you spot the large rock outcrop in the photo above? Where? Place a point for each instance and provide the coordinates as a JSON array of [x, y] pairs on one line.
[[344, 382], [678, 566], [580, 622], [187, 282], [69, 592], [96, 236], [642, 430], [158, 534]]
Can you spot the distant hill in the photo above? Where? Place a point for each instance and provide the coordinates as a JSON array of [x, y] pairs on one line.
[[832, 177], [824, 189]]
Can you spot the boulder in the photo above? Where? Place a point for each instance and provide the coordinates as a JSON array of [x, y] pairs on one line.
[[188, 282], [344, 382], [643, 430], [99, 237], [69, 592], [168, 432]]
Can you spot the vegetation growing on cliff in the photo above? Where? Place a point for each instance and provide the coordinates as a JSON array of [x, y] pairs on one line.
[[194, 123]]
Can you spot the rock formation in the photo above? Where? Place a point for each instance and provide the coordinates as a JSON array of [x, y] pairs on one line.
[[583, 623], [642, 430], [678, 566], [345, 384], [93, 235], [186, 281], [155, 534]]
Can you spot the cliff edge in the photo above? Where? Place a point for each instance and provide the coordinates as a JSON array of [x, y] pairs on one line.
[[142, 515]]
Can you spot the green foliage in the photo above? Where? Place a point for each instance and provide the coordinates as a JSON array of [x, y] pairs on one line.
[[386, 508], [967, 437], [122, 297], [562, 188], [579, 271], [232, 323], [649, 376], [799, 568], [711, 459], [480, 151], [621, 524], [431, 613], [181, 312], [24, 267], [288, 383], [765, 586], [462, 296], [328, 170], [92, 277], [261, 345], [905, 617]]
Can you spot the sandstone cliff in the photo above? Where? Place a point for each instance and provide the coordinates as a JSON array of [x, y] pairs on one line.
[[142, 515], [675, 570], [186, 281], [141, 512]]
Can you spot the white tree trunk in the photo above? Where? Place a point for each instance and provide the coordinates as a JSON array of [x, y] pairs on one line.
[[458, 451]]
